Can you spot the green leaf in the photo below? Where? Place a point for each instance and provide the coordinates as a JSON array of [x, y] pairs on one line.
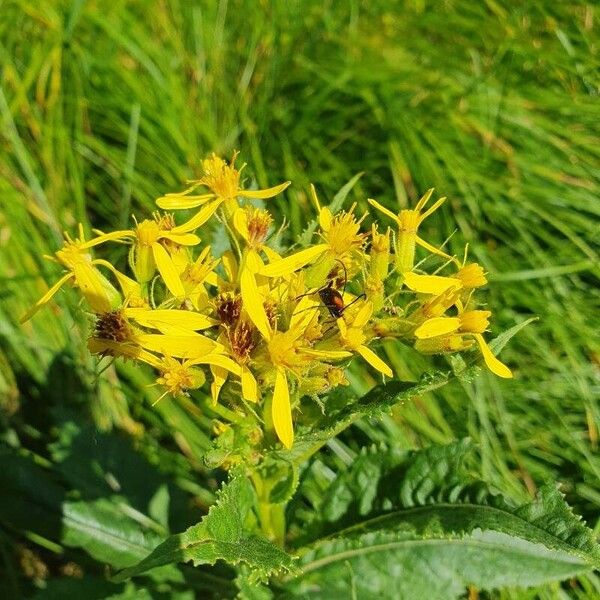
[[373, 404], [31, 500], [415, 525], [223, 534], [498, 343], [381, 399]]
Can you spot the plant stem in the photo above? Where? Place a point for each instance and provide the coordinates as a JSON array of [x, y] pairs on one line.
[[271, 516]]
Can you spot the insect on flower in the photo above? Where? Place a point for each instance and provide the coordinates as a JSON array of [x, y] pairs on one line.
[[333, 299]]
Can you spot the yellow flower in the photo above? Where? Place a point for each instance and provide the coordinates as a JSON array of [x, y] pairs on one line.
[[470, 323], [353, 337], [436, 306], [178, 377], [471, 276], [466, 278], [341, 232], [96, 289], [150, 254], [115, 335], [408, 222], [290, 353], [342, 239], [253, 225], [195, 275], [223, 181], [430, 284]]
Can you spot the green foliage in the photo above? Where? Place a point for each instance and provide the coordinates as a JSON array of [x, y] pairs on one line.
[[103, 109], [345, 408], [415, 525], [224, 534]]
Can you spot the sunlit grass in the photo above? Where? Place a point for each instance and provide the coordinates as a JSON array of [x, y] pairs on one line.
[[495, 104]]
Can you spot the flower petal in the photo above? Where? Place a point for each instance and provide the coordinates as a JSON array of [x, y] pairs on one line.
[[266, 193], [217, 360], [252, 261], [249, 385], [303, 315], [383, 209], [424, 200], [128, 286], [168, 270], [421, 242], [94, 287], [178, 346], [108, 237], [253, 302], [46, 297], [342, 327], [183, 239], [219, 377], [180, 201], [363, 315], [127, 349], [437, 326], [281, 411], [203, 215], [328, 354], [230, 265], [493, 364], [430, 284], [374, 360], [212, 279], [292, 263], [158, 318], [252, 299], [325, 218], [432, 208], [271, 255], [240, 222]]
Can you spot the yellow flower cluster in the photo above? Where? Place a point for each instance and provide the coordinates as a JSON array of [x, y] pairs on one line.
[[273, 328]]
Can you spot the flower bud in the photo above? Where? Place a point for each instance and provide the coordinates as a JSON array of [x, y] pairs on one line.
[[471, 276]]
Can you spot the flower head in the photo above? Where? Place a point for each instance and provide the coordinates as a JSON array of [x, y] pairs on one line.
[[75, 256], [470, 324], [408, 222], [177, 377], [266, 328], [223, 181]]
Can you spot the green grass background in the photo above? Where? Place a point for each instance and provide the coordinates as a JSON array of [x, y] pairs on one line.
[[105, 106]]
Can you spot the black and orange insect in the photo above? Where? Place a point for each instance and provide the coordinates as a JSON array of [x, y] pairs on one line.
[[333, 299]]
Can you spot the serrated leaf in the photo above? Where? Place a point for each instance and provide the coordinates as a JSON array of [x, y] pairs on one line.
[[221, 535], [376, 402], [415, 525], [380, 400]]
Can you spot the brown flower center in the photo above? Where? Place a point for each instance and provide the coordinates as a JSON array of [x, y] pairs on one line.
[[112, 326]]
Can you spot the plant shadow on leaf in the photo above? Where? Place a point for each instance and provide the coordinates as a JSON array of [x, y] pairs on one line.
[[100, 464], [103, 496]]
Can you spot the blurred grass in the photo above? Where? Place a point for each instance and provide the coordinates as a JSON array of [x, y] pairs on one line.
[[105, 107]]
